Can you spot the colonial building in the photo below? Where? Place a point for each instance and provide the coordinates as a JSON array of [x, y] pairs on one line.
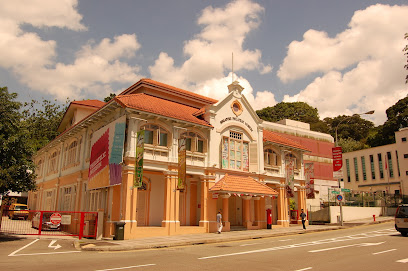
[[382, 169], [234, 162]]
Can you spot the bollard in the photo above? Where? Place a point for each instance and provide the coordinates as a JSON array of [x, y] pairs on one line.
[[374, 217]]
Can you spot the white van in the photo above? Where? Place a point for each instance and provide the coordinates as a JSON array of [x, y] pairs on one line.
[[401, 219]]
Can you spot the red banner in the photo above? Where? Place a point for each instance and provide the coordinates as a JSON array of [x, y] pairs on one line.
[[337, 158], [99, 155]]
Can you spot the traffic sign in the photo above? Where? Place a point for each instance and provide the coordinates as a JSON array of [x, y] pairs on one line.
[[339, 197], [345, 190], [335, 192], [55, 218]]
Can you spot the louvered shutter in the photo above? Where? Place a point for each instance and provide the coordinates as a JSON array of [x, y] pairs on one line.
[[253, 157]]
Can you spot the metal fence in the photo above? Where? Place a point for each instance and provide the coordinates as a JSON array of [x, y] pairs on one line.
[[52, 223]]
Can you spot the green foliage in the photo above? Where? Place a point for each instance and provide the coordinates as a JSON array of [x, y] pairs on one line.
[[110, 97], [16, 167], [349, 145], [405, 50], [353, 127], [299, 111], [397, 118], [42, 120]]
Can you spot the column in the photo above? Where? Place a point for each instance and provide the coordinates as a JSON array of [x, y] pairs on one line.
[[208, 205], [246, 211], [128, 199], [301, 193], [282, 206], [225, 212], [171, 203], [257, 211]]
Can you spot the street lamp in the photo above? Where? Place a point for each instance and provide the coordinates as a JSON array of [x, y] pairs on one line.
[[366, 113]]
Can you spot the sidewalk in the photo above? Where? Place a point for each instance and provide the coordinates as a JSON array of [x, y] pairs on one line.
[[208, 238]]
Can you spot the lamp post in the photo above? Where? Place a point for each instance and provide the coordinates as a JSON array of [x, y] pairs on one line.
[[337, 143]]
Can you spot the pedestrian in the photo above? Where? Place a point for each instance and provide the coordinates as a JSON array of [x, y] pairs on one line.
[[219, 222], [303, 216]]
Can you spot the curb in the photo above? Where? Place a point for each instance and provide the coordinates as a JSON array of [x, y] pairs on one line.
[[126, 247]]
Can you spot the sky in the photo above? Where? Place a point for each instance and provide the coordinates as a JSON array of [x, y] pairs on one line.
[[342, 57]]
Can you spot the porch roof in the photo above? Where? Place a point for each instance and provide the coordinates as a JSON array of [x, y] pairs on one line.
[[242, 185]]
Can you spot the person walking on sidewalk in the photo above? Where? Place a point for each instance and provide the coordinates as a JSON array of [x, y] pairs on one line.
[[303, 216], [219, 222]]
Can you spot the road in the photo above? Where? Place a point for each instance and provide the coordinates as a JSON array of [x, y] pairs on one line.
[[374, 247]]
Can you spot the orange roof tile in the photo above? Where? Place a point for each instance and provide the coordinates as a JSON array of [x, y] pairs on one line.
[[239, 184], [183, 92], [280, 139], [151, 104], [93, 103]]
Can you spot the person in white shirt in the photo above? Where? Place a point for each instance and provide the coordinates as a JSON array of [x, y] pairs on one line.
[[219, 222]]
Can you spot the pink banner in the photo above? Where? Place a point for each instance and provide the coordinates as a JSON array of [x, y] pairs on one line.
[[99, 159]]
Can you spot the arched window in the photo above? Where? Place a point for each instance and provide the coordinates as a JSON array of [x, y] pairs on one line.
[[291, 156], [71, 152], [235, 152], [52, 165], [194, 142], [156, 135], [270, 158]]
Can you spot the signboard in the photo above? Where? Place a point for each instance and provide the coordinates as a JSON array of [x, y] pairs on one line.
[[337, 155], [182, 167], [345, 190], [138, 179], [339, 197], [335, 192], [107, 154], [66, 220], [55, 218], [309, 176]]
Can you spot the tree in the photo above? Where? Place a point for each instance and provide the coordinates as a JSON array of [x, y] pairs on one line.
[[353, 127], [42, 120], [349, 145], [16, 167], [110, 97], [397, 118], [299, 111]]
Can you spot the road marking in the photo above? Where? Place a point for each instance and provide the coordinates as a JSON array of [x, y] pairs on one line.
[[244, 245], [318, 242], [307, 268], [403, 261], [13, 253], [54, 247], [384, 251], [127, 267], [285, 240], [353, 245]]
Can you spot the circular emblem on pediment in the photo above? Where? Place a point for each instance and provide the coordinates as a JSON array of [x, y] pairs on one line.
[[236, 108]]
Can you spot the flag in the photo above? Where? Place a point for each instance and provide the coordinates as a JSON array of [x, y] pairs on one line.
[[138, 179]]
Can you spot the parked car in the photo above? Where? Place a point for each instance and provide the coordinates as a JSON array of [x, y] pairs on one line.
[[46, 224], [401, 219], [18, 210]]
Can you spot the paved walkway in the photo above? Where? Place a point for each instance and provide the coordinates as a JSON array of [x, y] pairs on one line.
[[208, 238]]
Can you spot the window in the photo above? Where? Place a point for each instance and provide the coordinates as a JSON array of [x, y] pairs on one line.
[[390, 169], [235, 152], [270, 158], [156, 135], [67, 198], [404, 139], [52, 165], [356, 168], [363, 165], [194, 142], [40, 167], [348, 170], [71, 152], [399, 172], [380, 165], [372, 167], [406, 155]]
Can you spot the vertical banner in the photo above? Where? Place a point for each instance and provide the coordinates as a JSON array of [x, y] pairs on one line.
[[182, 166], [290, 177], [309, 176], [337, 154], [116, 156], [137, 181]]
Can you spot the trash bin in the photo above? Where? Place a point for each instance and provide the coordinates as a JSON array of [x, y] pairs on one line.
[[119, 231]]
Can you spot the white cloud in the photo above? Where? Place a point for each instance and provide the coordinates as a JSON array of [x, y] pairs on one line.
[[209, 53], [362, 67], [96, 66]]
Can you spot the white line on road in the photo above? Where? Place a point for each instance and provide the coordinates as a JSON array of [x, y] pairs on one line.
[[384, 251], [127, 267], [353, 245], [244, 245], [47, 253], [403, 261], [307, 268], [285, 240], [13, 253]]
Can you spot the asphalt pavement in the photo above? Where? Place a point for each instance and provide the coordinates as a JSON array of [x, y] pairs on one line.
[[208, 238]]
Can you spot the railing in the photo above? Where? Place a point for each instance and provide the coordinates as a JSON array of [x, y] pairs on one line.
[[53, 223]]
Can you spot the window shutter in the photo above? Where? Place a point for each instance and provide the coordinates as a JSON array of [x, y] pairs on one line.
[[205, 146], [194, 144], [253, 157], [169, 140]]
